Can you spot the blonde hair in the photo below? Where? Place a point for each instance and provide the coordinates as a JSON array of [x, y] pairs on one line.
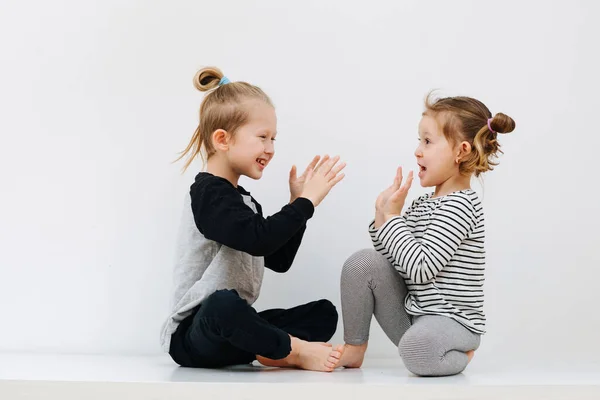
[[223, 108], [466, 119]]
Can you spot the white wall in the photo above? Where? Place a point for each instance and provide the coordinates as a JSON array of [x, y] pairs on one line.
[[96, 100]]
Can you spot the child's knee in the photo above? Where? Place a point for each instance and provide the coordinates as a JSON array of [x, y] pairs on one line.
[[327, 308], [418, 352], [361, 263], [224, 303], [423, 355], [329, 316]]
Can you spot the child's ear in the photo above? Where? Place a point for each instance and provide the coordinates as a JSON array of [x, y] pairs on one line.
[[221, 139], [464, 148]]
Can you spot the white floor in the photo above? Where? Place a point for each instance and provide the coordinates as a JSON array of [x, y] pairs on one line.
[[65, 377]]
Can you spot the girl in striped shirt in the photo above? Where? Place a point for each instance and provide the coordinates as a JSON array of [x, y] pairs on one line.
[[423, 280]]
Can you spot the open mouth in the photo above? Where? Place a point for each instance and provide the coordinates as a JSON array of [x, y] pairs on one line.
[[262, 162]]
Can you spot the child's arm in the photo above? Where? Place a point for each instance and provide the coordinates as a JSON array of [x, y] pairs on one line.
[[221, 215], [422, 260], [375, 222], [282, 259]]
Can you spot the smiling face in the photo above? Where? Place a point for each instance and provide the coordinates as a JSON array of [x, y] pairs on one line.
[[252, 147]]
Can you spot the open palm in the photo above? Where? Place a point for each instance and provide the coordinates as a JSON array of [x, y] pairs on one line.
[[395, 202], [391, 201], [384, 196], [297, 182]]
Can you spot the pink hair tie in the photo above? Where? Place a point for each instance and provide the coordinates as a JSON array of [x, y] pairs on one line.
[[490, 125]]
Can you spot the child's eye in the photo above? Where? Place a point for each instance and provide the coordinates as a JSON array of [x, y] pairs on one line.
[[263, 136], [427, 141]]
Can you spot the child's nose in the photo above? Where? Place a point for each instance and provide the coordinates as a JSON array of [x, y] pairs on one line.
[[270, 148]]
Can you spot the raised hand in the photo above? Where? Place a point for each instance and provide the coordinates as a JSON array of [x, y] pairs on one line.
[[297, 182], [390, 202], [385, 195], [394, 204], [320, 180]]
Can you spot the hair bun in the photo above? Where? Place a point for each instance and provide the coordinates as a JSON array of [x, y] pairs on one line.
[[207, 78], [502, 123]]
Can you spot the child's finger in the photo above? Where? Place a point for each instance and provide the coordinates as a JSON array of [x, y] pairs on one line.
[[312, 164], [293, 173], [323, 161], [335, 181], [404, 189], [409, 180], [397, 194], [329, 164], [399, 178], [336, 170], [309, 174]]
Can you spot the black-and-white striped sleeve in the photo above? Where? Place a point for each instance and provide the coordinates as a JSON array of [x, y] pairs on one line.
[[422, 260]]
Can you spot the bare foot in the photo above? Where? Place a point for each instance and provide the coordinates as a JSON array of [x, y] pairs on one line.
[[316, 357], [470, 354], [353, 356], [308, 355]]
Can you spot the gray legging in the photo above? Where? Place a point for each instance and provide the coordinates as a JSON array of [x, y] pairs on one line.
[[430, 345]]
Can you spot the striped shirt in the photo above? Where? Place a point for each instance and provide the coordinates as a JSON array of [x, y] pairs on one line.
[[437, 246]]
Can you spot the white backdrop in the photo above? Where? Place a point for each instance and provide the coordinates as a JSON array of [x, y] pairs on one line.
[[96, 101]]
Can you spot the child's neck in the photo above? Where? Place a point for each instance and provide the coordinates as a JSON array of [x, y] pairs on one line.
[[453, 184], [219, 167]]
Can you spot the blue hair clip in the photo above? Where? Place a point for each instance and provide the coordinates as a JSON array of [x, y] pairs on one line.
[[224, 81]]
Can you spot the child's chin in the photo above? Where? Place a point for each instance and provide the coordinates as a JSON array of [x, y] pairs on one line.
[[255, 175], [424, 183]]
